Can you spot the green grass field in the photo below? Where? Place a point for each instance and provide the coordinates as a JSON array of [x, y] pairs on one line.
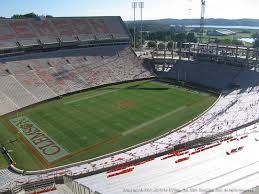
[[111, 118]]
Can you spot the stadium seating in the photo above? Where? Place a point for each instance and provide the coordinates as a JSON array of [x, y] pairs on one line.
[[45, 30], [6, 177], [35, 85], [7, 37], [63, 72], [65, 30], [203, 73], [16, 92], [67, 73], [51, 31], [30, 81], [22, 28], [52, 80], [33, 78], [6, 105], [4, 70], [24, 32]]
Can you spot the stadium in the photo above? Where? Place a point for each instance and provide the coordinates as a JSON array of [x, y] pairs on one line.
[[82, 112]]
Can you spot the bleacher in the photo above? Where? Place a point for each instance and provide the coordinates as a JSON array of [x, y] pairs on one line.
[[24, 33], [6, 104], [63, 71], [33, 83], [7, 176], [55, 32], [214, 75], [65, 29], [7, 37], [16, 92], [46, 32], [32, 78]]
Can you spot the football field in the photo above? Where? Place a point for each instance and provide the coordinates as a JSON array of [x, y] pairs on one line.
[[97, 122]]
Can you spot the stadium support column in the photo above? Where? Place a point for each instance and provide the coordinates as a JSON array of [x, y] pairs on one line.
[[226, 55], [247, 57], [180, 51], [217, 52], [134, 6], [172, 52], [164, 58], [189, 55], [203, 4], [257, 53], [141, 6], [236, 53]]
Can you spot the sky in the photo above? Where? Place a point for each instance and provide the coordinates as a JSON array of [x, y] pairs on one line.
[[154, 9]]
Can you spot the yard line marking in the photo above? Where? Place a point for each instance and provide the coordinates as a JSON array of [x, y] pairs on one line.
[[153, 121], [95, 95], [91, 96]]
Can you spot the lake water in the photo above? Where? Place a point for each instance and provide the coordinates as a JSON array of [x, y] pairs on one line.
[[226, 27]]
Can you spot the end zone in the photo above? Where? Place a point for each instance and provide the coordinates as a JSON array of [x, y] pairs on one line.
[[46, 146]]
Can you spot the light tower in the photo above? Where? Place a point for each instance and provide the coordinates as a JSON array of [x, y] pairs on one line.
[[202, 21], [141, 6], [134, 6]]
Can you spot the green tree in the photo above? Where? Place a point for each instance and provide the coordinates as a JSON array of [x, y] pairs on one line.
[[152, 44], [237, 42], [28, 15], [191, 37], [162, 35], [181, 37], [161, 45]]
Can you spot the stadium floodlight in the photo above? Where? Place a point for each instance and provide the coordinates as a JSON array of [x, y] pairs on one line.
[[141, 6], [134, 6]]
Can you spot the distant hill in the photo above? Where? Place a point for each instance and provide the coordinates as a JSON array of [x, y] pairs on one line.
[[211, 21]]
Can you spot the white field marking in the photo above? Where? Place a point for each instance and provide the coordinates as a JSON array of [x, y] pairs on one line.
[[95, 95], [91, 96], [153, 121]]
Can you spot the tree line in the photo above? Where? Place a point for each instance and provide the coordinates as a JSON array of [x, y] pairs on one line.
[[27, 15], [163, 36]]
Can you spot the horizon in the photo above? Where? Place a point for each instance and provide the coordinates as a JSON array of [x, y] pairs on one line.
[[154, 10], [194, 19], [133, 20]]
